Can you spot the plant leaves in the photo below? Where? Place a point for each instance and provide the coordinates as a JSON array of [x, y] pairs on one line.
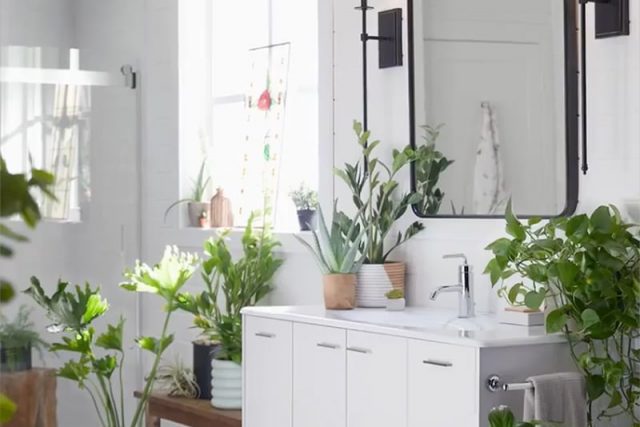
[[154, 345], [7, 409], [589, 318], [112, 339], [534, 299], [555, 321]]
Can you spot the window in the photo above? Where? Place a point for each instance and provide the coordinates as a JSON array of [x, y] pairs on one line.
[[261, 139]]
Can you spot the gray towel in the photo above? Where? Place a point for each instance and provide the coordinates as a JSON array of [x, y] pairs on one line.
[[558, 398]]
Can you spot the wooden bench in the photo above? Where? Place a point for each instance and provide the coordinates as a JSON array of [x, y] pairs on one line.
[[190, 412]]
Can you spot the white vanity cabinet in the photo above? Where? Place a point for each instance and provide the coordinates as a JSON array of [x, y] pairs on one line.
[[307, 367], [267, 358], [376, 380]]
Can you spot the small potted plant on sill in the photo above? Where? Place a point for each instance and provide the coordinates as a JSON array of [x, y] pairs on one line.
[[197, 206], [306, 201], [395, 300], [377, 190], [229, 287], [17, 340], [339, 258]]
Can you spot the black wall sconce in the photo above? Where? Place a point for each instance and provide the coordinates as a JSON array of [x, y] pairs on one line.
[[611, 20], [389, 40]]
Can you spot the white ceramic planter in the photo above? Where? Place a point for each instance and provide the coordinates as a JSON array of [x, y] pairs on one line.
[[226, 384], [396, 304], [375, 280]]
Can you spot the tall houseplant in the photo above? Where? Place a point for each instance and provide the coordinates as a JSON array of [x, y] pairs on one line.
[[588, 267], [229, 287], [339, 256], [376, 188], [429, 164], [97, 360], [17, 340]]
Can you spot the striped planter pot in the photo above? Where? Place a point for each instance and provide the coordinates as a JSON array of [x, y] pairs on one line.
[[226, 384], [375, 280]]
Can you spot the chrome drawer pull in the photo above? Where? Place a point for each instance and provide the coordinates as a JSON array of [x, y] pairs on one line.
[[438, 363], [327, 345], [265, 335], [359, 350]]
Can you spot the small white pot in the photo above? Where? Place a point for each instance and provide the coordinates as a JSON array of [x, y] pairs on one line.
[[396, 304], [226, 384]]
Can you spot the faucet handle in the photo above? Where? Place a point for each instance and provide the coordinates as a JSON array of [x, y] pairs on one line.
[[457, 256]]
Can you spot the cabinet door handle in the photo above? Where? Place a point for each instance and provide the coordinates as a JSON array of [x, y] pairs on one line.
[[329, 346], [265, 335], [437, 363], [359, 350]]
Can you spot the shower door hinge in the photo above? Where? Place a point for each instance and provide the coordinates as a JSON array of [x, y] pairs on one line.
[[130, 76]]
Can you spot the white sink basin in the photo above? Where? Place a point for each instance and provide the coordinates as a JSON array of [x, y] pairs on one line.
[[418, 318]]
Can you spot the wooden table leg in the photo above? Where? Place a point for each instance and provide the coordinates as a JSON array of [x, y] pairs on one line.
[[151, 421]]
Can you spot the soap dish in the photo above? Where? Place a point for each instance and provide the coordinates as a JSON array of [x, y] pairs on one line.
[[521, 316]]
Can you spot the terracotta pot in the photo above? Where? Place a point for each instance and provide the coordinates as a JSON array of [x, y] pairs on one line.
[[375, 280], [339, 291], [195, 213]]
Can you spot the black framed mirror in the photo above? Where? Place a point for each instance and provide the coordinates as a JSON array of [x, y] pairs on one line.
[[494, 99]]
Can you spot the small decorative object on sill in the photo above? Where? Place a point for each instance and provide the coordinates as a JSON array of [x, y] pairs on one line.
[[195, 205], [306, 201], [221, 215], [395, 300], [522, 316]]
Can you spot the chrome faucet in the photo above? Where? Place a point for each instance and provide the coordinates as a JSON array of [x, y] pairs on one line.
[[466, 304]]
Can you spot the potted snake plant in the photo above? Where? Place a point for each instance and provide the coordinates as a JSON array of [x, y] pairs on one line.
[[376, 195], [339, 256], [197, 205]]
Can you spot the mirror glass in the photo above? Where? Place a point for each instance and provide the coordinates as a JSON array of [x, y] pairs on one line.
[[493, 92]]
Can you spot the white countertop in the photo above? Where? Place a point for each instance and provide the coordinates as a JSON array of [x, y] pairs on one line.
[[428, 324]]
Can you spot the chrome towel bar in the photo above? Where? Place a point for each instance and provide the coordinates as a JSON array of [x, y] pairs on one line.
[[495, 384]]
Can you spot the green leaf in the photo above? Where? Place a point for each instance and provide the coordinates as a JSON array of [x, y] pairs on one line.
[[567, 273], [154, 345], [112, 339], [514, 226], [556, 320], [515, 291], [601, 220], [501, 417], [7, 293], [595, 386], [589, 318], [7, 409], [96, 307], [577, 227], [534, 300], [75, 371], [105, 366]]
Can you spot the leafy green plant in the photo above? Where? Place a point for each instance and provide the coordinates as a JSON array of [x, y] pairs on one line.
[[232, 285], [177, 380], [304, 198], [20, 333], [98, 359], [589, 266], [200, 185], [375, 190], [429, 164], [395, 294], [503, 417], [336, 251], [16, 198]]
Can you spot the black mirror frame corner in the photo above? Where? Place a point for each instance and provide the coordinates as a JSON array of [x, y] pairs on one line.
[[572, 114]]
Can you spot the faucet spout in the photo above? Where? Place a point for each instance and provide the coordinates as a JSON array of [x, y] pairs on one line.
[[445, 289]]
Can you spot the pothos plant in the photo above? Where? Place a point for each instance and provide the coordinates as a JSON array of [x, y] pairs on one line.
[[588, 267], [376, 189], [99, 358], [232, 285], [503, 417]]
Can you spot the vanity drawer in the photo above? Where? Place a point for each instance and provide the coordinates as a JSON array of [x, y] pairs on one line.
[[442, 385]]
